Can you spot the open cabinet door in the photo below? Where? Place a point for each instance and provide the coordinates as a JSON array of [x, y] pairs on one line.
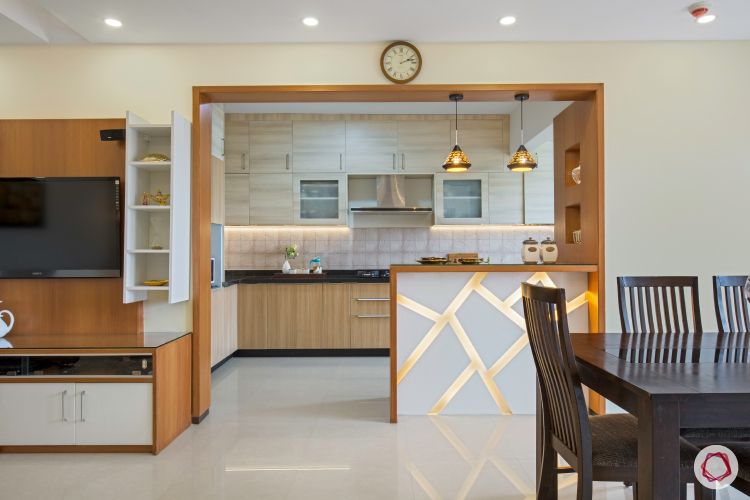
[[579, 206]]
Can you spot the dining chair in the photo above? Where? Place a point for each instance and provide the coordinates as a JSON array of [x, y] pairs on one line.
[[599, 448], [731, 304], [659, 304]]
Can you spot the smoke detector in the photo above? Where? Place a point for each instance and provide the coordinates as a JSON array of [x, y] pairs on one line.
[[701, 13]]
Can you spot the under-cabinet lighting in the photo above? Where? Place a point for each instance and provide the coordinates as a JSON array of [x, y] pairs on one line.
[[250, 229], [288, 468]]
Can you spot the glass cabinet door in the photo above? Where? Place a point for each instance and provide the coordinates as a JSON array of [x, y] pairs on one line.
[[462, 198], [320, 199]]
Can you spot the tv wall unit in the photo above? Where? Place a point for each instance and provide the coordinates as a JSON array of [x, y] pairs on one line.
[[157, 244]]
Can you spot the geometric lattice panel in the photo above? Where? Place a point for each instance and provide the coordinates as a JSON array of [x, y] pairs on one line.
[[462, 346]]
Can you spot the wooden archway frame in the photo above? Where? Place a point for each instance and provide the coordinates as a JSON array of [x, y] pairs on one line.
[[203, 96]]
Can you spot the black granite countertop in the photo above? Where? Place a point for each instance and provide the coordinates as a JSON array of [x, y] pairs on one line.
[[236, 277]]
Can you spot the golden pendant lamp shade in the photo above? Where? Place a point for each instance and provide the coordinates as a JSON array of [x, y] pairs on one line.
[[457, 161], [522, 160]]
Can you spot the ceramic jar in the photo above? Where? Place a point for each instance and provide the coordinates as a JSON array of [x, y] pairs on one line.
[[530, 253], [548, 249]]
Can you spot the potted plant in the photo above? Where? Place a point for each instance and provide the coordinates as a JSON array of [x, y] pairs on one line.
[[290, 252]]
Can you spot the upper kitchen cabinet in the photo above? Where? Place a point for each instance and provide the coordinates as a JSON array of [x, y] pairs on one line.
[[371, 146], [320, 199], [236, 144], [506, 198], [270, 199], [270, 147], [539, 187], [423, 145], [485, 141], [318, 146], [217, 130], [462, 198], [236, 199]]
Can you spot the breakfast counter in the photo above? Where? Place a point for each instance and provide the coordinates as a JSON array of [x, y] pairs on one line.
[[458, 336]]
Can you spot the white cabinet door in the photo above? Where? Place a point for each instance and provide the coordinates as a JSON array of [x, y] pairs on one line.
[[37, 414], [461, 198], [482, 140], [506, 198], [423, 145], [371, 146], [114, 414], [270, 199], [217, 130], [318, 146], [270, 146], [237, 199], [320, 199]]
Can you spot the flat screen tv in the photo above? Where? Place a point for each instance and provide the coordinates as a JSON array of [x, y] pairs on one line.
[[60, 227]]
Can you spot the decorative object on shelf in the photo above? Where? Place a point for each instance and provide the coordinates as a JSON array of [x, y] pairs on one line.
[[431, 261], [401, 62], [522, 160], [549, 251], [157, 247], [473, 261], [530, 252], [146, 199], [454, 258], [290, 252], [315, 266], [5, 328], [457, 161], [161, 198], [156, 282], [577, 237], [576, 174], [155, 158]]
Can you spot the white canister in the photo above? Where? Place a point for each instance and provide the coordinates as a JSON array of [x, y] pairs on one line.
[[549, 251], [530, 253]]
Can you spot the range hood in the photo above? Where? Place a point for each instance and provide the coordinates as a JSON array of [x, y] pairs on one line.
[[390, 198]]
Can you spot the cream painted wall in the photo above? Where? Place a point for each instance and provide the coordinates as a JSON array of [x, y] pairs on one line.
[[675, 122]]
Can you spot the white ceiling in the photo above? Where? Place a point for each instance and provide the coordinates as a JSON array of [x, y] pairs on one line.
[[261, 21]]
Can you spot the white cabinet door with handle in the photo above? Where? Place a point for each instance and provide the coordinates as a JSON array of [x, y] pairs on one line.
[[37, 414], [114, 414]]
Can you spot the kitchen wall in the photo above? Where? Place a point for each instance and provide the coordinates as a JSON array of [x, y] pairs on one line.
[[344, 248], [671, 109]]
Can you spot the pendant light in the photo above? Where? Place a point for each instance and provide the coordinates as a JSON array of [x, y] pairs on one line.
[[457, 161], [522, 160]]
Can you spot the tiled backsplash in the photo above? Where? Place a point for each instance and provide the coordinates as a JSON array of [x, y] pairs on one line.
[[344, 248]]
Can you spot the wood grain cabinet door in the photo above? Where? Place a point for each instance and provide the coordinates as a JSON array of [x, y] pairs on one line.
[[484, 143], [237, 199], [423, 145], [270, 146], [236, 144], [318, 146], [252, 316], [506, 198], [295, 316], [370, 316], [371, 146], [271, 199], [335, 327]]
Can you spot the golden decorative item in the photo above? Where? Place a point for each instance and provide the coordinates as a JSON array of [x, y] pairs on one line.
[[146, 199], [432, 260], [160, 198], [154, 157], [522, 160], [457, 161], [473, 261], [156, 247], [156, 282], [575, 174]]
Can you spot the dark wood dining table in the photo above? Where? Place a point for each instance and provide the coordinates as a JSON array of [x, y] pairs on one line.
[[669, 382]]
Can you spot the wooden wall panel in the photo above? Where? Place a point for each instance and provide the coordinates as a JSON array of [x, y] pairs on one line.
[[172, 402], [65, 148]]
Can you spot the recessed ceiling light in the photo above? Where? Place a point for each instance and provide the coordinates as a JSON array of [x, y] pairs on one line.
[[507, 20], [310, 21], [115, 23], [705, 19]]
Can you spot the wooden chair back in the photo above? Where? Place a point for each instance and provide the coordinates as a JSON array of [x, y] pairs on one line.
[[731, 304], [564, 407], [659, 304]]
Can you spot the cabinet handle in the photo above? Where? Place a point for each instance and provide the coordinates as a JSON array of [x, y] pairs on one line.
[[394, 161], [373, 299], [373, 315], [242, 165], [403, 161], [223, 147], [341, 161], [287, 161], [62, 400], [83, 393]]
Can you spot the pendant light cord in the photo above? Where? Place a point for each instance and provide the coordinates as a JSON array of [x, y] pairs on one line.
[[522, 120], [456, 101]]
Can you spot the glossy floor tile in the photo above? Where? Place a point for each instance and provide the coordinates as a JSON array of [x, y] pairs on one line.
[[306, 428]]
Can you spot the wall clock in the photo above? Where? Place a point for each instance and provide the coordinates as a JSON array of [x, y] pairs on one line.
[[401, 62]]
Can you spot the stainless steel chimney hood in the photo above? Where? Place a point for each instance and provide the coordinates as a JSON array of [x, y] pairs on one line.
[[391, 197]]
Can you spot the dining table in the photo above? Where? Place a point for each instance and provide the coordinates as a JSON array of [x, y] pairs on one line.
[[670, 382]]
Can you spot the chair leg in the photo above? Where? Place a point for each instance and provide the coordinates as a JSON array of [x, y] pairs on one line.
[[585, 486], [683, 491], [635, 491]]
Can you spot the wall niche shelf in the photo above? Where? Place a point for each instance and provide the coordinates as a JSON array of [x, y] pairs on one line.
[[164, 225]]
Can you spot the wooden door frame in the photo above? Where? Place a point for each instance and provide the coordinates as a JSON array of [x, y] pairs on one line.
[[204, 96]]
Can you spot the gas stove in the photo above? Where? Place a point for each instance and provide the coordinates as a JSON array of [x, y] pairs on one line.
[[374, 273]]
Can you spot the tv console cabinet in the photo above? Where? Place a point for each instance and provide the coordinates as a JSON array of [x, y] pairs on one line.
[[84, 393]]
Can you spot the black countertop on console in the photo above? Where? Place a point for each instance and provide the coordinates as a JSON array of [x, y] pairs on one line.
[[330, 276]]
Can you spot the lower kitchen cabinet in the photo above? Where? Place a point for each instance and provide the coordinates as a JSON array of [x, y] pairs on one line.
[[252, 316], [370, 316], [223, 323], [295, 316], [335, 327], [37, 414]]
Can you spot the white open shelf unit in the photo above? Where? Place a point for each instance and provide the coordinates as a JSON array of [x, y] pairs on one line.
[[154, 225]]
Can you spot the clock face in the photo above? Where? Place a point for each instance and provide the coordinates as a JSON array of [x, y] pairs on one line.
[[401, 62]]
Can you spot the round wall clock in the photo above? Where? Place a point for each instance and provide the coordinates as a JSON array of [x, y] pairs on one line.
[[401, 62]]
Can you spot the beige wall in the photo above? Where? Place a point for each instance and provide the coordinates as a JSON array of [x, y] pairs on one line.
[[675, 121]]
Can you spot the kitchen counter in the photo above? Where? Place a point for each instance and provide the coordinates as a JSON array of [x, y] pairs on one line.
[[236, 277], [81, 342]]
